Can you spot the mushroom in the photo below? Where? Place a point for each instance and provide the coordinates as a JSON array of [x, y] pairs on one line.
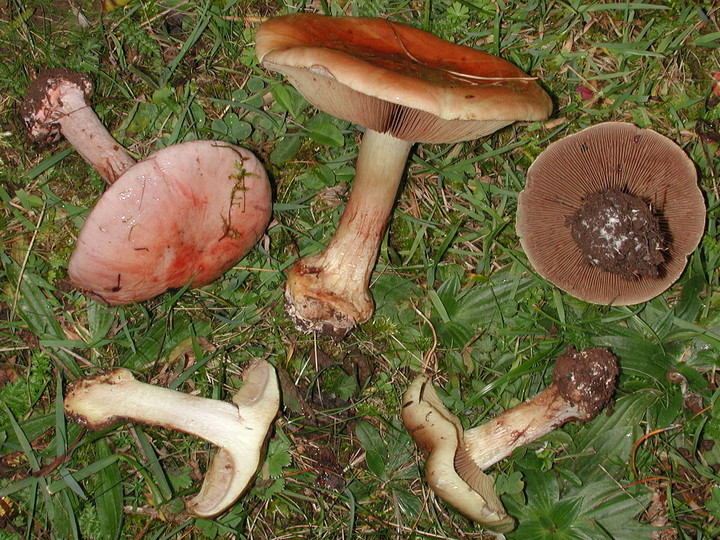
[[185, 214], [404, 86], [611, 213], [238, 429], [583, 383]]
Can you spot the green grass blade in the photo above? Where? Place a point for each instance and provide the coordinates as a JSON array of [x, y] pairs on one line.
[[156, 469], [109, 494]]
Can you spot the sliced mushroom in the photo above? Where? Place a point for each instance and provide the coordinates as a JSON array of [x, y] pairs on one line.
[[239, 429], [405, 86], [184, 215], [583, 383]]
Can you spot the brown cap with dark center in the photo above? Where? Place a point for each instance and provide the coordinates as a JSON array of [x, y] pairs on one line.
[[610, 157], [396, 79]]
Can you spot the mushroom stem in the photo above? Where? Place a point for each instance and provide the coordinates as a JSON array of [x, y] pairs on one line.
[[238, 429], [83, 129], [583, 382], [498, 438], [329, 292], [58, 98]]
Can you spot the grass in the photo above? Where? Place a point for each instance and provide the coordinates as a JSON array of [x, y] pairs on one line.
[[340, 464]]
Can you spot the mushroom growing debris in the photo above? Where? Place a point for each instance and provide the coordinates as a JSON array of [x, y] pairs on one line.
[[404, 85], [611, 213], [238, 429], [583, 383], [185, 214]]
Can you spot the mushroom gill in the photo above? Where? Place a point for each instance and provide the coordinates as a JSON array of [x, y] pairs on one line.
[[650, 213]]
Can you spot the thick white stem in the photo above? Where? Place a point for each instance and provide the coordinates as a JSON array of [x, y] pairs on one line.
[[353, 250], [83, 129], [497, 438], [238, 429], [329, 291], [121, 397]]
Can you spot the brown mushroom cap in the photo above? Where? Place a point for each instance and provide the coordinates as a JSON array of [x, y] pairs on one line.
[[186, 213], [612, 155], [404, 85], [396, 79]]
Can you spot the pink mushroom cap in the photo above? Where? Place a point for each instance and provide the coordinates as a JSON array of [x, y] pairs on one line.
[[184, 215]]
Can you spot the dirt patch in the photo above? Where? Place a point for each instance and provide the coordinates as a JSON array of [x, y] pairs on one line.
[[322, 419], [619, 233], [586, 378]]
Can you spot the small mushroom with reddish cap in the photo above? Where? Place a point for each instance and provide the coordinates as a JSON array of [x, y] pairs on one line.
[[583, 384], [239, 429], [404, 86], [611, 213], [185, 214]]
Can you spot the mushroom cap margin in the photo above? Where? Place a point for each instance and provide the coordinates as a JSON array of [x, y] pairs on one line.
[[403, 68], [439, 435], [187, 212]]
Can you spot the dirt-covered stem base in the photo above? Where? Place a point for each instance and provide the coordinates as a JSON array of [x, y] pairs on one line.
[[329, 292], [56, 104]]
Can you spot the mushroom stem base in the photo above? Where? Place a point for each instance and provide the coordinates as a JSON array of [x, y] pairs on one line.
[[317, 309], [328, 292]]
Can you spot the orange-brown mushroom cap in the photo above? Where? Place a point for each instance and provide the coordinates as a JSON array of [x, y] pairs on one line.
[[404, 86], [612, 155], [393, 78]]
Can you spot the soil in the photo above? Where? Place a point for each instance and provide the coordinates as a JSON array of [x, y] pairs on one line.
[[322, 419], [586, 379], [619, 233]]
